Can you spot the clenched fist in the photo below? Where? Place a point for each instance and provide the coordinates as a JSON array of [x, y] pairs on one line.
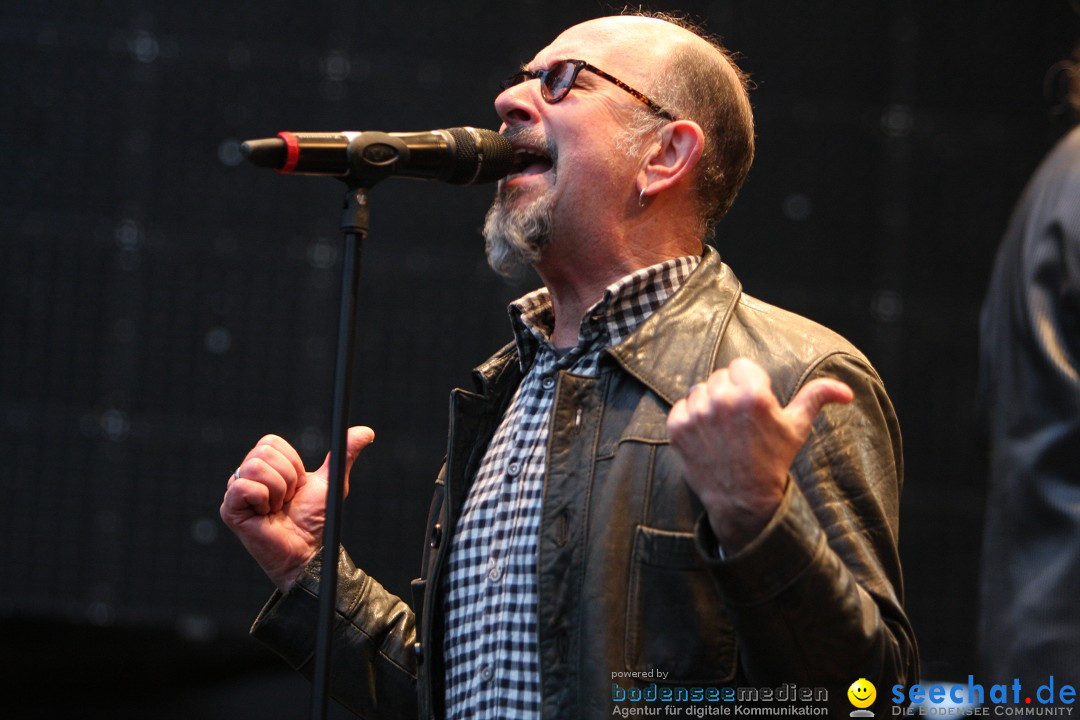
[[278, 509]]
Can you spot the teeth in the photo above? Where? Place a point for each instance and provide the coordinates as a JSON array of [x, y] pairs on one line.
[[524, 158]]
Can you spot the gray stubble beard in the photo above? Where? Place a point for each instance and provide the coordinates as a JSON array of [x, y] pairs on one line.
[[514, 238]]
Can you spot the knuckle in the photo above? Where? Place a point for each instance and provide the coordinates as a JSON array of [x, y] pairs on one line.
[[742, 362], [749, 401], [263, 451], [269, 440], [719, 394], [258, 470], [700, 412]]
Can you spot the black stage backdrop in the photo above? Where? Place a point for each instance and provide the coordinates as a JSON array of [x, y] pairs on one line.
[[163, 304]]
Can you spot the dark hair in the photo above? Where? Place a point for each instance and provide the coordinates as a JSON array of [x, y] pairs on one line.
[[710, 89], [1061, 88]]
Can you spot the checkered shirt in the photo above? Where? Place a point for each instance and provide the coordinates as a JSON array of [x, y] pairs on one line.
[[490, 604]]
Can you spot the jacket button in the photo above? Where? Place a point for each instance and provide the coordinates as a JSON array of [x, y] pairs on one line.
[[418, 651], [436, 535]]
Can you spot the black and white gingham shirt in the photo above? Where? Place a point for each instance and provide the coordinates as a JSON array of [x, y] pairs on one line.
[[490, 605]]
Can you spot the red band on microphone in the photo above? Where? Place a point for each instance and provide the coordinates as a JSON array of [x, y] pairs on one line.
[[292, 152]]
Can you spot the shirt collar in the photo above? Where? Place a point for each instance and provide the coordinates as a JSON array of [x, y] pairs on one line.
[[624, 305]]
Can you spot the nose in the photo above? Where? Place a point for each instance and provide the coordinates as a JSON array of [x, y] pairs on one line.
[[517, 104]]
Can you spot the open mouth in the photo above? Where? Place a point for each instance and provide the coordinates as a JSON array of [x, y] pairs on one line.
[[530, 161]]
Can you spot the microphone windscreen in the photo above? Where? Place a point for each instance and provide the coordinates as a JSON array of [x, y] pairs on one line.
[[482, 156]]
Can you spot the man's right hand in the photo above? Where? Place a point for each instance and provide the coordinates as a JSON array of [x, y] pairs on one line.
[[278, 509]]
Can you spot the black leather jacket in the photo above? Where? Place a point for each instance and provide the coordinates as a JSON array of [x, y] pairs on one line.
[[629, 579]]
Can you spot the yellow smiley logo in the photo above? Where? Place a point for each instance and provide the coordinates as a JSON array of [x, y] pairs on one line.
[[862, 693]]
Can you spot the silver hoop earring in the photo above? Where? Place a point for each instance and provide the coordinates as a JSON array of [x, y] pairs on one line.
[[642, 201]]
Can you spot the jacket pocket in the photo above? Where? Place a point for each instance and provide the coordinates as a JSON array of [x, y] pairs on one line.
[[676, 621]]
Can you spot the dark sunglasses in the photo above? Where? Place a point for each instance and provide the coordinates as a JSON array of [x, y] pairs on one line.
[[557, 80]]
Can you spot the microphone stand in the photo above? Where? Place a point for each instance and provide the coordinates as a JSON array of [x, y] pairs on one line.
[[460, 156], [354, 228]]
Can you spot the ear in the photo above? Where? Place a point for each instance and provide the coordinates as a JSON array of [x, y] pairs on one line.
[[674, 157]]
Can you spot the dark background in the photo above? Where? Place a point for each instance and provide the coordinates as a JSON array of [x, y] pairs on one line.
[[163, 305]]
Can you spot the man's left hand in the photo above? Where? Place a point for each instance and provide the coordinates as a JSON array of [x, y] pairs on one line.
[[738, 444]]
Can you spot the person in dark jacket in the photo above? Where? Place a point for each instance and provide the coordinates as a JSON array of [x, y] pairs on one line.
[[663, 490], [1029, 390]]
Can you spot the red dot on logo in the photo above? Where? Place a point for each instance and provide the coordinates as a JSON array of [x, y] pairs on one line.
[[1027, 700]]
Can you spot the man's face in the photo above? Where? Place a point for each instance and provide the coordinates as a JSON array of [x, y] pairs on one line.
[[570, 174]]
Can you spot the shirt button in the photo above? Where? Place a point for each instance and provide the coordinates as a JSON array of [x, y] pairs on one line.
[[495, 574], [513, 469], [548, 383], [486, 673]]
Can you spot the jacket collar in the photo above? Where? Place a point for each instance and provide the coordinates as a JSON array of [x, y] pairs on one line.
[[495, 374], [659, 352]]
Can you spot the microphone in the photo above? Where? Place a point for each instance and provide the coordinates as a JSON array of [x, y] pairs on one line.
[[459, 156]]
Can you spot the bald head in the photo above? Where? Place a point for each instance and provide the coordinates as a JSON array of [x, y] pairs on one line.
[[649, 39], [693, 77]]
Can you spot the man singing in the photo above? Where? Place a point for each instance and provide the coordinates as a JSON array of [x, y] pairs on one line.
[[660, 479]]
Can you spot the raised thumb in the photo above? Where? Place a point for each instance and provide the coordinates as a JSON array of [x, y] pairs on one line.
[[357, 438], [813, 396]]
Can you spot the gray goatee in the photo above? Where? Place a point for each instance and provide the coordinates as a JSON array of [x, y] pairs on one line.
[[515, 237]]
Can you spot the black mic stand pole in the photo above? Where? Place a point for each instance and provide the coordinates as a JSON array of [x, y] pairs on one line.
[[354, 228]]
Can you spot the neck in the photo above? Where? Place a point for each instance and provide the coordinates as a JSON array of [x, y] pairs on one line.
[[576, 274]]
